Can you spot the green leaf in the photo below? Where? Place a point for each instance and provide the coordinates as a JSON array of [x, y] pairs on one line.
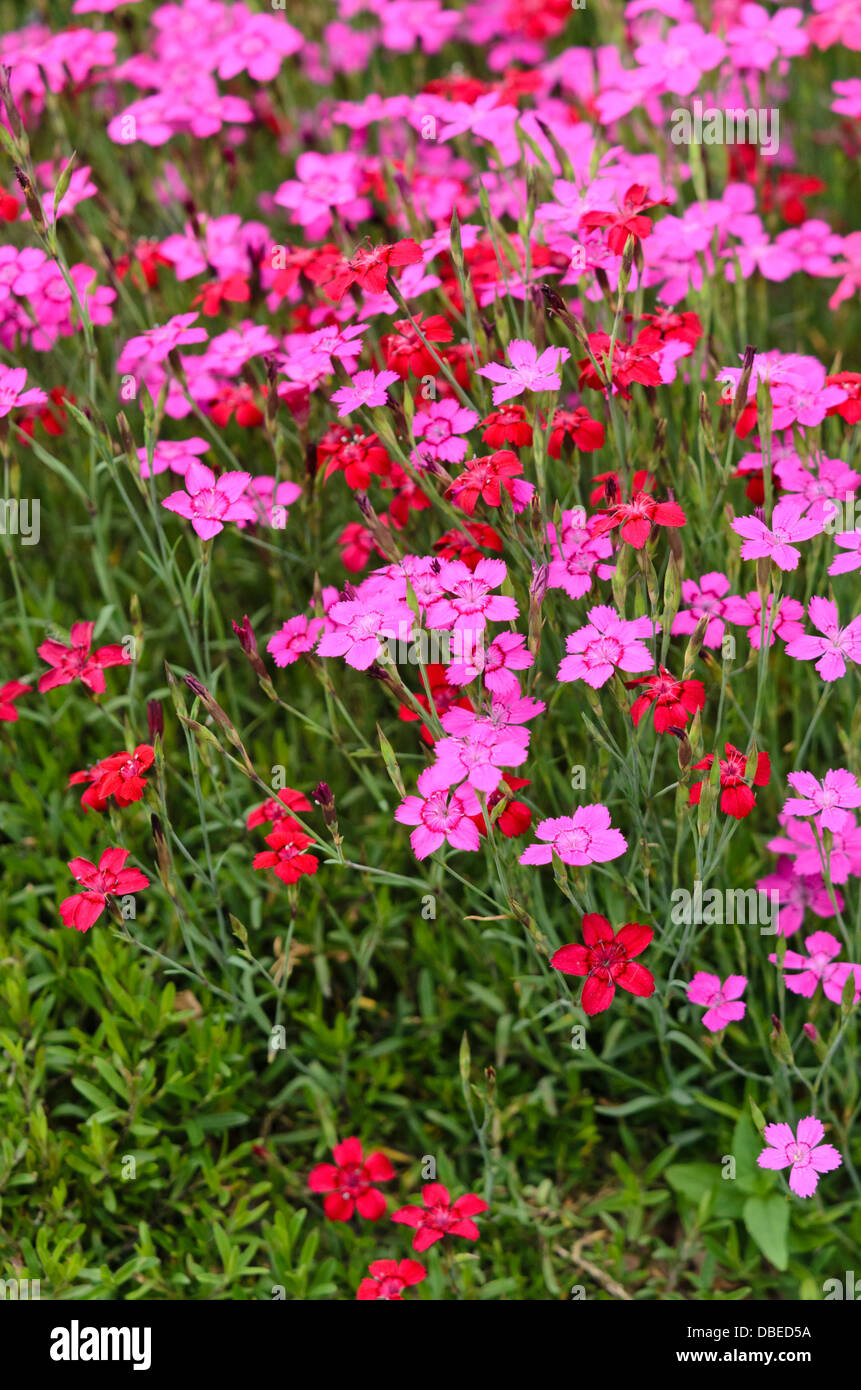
[[767, 1222]]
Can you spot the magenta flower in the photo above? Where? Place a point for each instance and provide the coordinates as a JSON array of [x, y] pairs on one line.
[[796, 893], [76, 662], [368, 388], [788, 524], [746, 611], [257, 44], [807, 1156], [584, 838], [208, 501], [506, 654], [819, 966], [838, 791], [12, 393], [678, 62], [155, 344], [759, 38], [438, 431], [605, 643], [703, 599], [834, 647], [467, 602], [723, 1003], [440, 818], [528, 370], [175, 454], [800, 840], [297, 635], [360, 623], [477, 755], [850, 541]]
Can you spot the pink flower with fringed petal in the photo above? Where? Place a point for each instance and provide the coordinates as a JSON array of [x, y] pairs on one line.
[[804, 1152]]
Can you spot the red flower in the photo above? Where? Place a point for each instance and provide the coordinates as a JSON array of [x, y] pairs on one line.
[[389, 1279], [737, 799], [50, 414], [684, 328], [348, 1182], [607, 961], [75, 662], [850, 409], [359, 455], [285, 857], [315, 261], [274, 809], [516, 818], [118, 775], [9, 207], [637, 517], [357, 545], [110, 879], [641, 482], [631, 361], [10, 692], [369, 268], [628, 222], [578, 426], [404, 350], [673, 700], [241, 400], [508, 425], [485, 478], [439, 1217], [788, 195], [148, 257], [233, 290], [454, 545]]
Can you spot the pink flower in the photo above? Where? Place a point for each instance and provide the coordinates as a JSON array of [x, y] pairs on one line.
[[368, 388], [359, 623], [848, 101], [788, 524], [157, 343], [12, 393], [678, 61], [838, 789], [257, 45], [849, 267], [584, 838], [477, 753], [528, 370], [606, 643], [760, 38], [844, 854], [209, 501], [835, 647], [438, 430], [467, 602], [110, 879], [819, 966], [175, 454], [440, 819], [723, 1004], [849, 541], [440, 1216], [795, 893], [296, 636], [805, 1154], [506, 654], [324, 182], [75, 662], [703, 599], [746, 611], [389, 1278]]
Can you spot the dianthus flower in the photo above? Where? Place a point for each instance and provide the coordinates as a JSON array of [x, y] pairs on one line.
[[804, 1153], [388, 1279], [285, 856], [789, 524], [120, 776], [110, 879], [606, 643], [440, 818], [486, 477], [349, 1182], [606, 960], [819, 967], [674, 700], [440, 1216], [209, 501], [722, 1002], [278, 808], [76, 662], [838, 791], [834, 647], [9, 693], [737, 799], [636, 518], [584, 838], [529, 370]]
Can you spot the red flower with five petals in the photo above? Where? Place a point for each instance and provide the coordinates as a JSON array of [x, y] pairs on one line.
[[637, 517], [348, 1182], [110, 879], [737, 799], [388, 1280], [674, 700], [606, 960], [76, 662], [10, 692], [440, 1216]]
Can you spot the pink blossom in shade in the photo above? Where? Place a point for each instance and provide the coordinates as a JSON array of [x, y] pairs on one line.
[[438, 430], [497, 663], [175, 454], [804, 1154], [679, 60], [257, 45], [467, 602], [388, 1278], [208, 502], [797, 892], [12, 393], [834, 647], [577, 554], [477, 756], [440, 818], [838, 791], [9, 693], [850, 541], [368, 388], [529, 370], [703, 600], [746, 611], [359, 623], [723, 1003], [799, 839], [439, 1216], [835, 21], [759, 37], [848, 101], [296, 636], [788, 524], [584, 838], [849, 268], [77, 662], [324, 182], [605, 644], [110, 879], [819, 967], [155, 344]]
